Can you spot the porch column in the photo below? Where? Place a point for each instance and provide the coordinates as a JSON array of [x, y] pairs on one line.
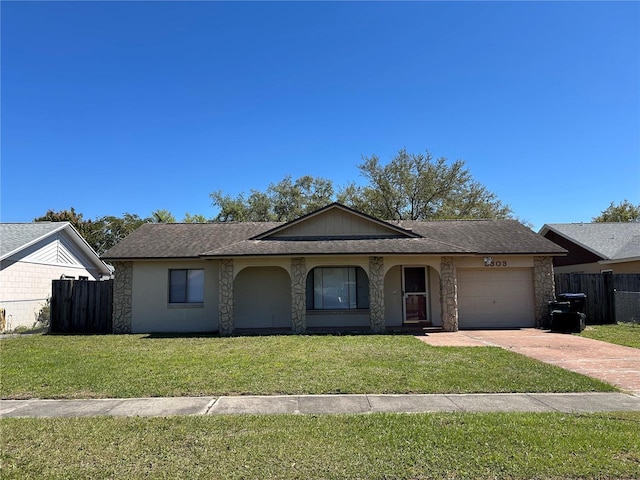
[[225, 297], [544, 288], [122, 298], [376, 294], [298, 295], [449, 294]]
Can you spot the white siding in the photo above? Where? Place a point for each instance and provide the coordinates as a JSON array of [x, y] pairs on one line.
[[25, 287], [58, 249], [496, 298], [25, 277]]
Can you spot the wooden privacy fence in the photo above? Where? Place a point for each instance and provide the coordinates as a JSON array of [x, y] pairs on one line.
[[81, 306], [600, 290]]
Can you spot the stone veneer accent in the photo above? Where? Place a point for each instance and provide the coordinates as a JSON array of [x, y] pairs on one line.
[[376, 294], [449, 294], [298, 295], [122, 288], [544, 288], [225, 296]]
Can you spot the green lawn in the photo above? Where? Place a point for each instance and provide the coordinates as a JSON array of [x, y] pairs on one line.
[[379, 446], [57, 366], [627, 334]]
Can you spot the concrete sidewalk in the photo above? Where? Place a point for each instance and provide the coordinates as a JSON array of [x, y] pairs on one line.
[[323, 404]]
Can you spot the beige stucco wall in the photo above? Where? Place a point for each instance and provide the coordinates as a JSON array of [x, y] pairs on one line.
[[500, 262], [26, 286], [262, 292], [627, 267], [393, 297], [151, 311], [337, 318], [262, 298]]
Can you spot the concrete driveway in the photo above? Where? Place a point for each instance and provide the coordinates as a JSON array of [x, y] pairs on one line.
[[614, 364]]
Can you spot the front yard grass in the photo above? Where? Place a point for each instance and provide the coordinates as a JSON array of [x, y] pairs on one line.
[[101, 366], [418, 446], [627, 334]]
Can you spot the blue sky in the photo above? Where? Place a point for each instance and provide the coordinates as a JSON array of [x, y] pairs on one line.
[[113, 107]]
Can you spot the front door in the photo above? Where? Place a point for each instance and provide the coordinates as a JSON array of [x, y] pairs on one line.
[[414, 287]]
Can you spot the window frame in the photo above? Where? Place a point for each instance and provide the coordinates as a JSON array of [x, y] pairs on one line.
[[187, 286], [360, 278]]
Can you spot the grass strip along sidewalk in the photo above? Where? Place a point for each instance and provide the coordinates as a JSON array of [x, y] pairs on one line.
[[126, 366], [446, 445], [417, 446]]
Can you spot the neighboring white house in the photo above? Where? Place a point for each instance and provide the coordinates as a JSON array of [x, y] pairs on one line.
[[333, 268], [34, 254]]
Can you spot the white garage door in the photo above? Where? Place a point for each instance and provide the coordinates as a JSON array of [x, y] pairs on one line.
[[496, 298]]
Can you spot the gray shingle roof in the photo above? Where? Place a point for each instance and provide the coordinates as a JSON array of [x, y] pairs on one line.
[[17, 236], [183, 240], [234, 239], [610, 241]]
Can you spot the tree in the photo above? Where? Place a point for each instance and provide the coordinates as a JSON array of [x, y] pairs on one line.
[[283, 201], [417, 187], [111, 230], [625, 211], [162, 216], [76, 219], [188, 218], [103, 232], [409, 187], [86, 228]]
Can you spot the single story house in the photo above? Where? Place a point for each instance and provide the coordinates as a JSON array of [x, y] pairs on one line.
[[596, 247], [34, 254], [333, 268]]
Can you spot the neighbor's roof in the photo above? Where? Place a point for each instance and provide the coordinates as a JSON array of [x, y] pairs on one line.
[[15, 237], [610, 241], [211, 240]]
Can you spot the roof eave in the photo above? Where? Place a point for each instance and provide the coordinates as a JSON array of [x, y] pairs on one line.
[[547, 228], [90, 252], [214, 256], [134, 259], [619, 260]]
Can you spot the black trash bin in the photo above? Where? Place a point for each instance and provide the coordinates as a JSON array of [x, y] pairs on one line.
[[571, 319], [578, 301], [569, 316], [568, 322], [555, 308]]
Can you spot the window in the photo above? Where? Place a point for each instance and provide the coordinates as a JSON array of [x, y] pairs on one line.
[[186, 286], [337, 288]]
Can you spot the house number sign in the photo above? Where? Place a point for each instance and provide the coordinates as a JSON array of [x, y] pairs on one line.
[[497, 263], [490, 262]]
